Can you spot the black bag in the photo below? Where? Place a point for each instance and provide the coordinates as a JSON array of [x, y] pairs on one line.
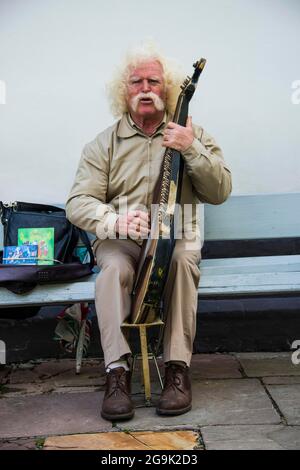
[[22, 278]]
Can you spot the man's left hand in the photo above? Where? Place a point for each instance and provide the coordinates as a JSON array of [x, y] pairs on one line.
[[179, 137]]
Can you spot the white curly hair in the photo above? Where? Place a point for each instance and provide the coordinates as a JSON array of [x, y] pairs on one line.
[[117, 88]]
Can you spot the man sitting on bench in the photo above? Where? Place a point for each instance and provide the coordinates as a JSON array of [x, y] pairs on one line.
[[121, 165]]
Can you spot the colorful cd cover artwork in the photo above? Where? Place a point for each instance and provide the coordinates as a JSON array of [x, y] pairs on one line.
[[24, 254], [43, 238]]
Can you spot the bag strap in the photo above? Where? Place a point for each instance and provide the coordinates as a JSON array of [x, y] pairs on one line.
[[32, 207], [29, 206]]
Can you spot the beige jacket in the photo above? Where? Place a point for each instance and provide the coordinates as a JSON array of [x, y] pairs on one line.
[[122, 162]]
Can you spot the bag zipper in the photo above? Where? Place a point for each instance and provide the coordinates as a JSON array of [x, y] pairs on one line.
[[10, 204]]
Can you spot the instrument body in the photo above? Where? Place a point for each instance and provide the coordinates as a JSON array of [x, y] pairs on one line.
[[157, 250]]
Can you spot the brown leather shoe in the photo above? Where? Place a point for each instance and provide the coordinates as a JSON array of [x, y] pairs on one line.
[[117, 402], [176, 397]]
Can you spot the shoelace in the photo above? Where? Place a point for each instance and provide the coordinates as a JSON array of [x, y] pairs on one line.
[[117, 383], [173, 380]]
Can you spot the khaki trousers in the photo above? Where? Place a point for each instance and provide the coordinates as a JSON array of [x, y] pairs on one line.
[[117, 260]]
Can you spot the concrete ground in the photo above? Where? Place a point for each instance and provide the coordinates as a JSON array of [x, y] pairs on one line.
[[240, 401]]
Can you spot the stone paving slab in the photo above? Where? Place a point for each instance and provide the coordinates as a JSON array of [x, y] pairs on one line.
[[172, 440], [4, 371], [203, 366], [12, 390], [46, 369], [276, 437], [18, 444], [288, 437], [268, 364], [9, 391], [176, 440], [242, 401], [53, 368], [77, 389], [56, 413], [281, 380], [215, 366], [287, 397], [107, 441], [60, 373], [20, 376], [87, 377]]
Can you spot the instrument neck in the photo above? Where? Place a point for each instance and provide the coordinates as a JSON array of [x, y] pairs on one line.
[[181, 111]]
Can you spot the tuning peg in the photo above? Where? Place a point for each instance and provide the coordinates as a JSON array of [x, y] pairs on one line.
[[200, 63]]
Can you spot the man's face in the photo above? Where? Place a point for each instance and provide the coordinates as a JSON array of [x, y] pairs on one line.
[[146, 90]]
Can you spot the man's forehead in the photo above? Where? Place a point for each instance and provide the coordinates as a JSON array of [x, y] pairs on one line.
[[152, 67]]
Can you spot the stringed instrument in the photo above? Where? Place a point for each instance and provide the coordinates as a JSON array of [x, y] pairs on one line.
[[157, 250]]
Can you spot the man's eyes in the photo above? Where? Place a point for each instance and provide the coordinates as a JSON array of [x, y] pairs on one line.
[[152, 81]]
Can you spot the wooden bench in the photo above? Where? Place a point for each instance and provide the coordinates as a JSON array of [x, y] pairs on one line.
[[245, 224], [252, 248]]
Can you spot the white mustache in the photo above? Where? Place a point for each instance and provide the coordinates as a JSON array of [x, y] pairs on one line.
[[157, 101]]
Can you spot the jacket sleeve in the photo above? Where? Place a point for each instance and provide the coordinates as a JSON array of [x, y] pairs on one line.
[[86, 206], [205, 165]]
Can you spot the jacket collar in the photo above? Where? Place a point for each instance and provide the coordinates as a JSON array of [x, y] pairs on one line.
[[127, 127]]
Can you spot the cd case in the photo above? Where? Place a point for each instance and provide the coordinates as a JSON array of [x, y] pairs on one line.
[[43, 238], [24, 254]]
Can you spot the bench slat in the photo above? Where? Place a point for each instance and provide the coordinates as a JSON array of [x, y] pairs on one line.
[[52, 294], [259, 280], [253, 217], [212, 284], [259, 264]]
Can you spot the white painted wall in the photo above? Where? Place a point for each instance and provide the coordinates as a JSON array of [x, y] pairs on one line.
[[56, 55]]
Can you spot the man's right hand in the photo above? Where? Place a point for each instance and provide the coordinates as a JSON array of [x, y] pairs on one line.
[[134, 224]]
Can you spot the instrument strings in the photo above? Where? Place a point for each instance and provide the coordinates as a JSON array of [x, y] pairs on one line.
[[165, 184]]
